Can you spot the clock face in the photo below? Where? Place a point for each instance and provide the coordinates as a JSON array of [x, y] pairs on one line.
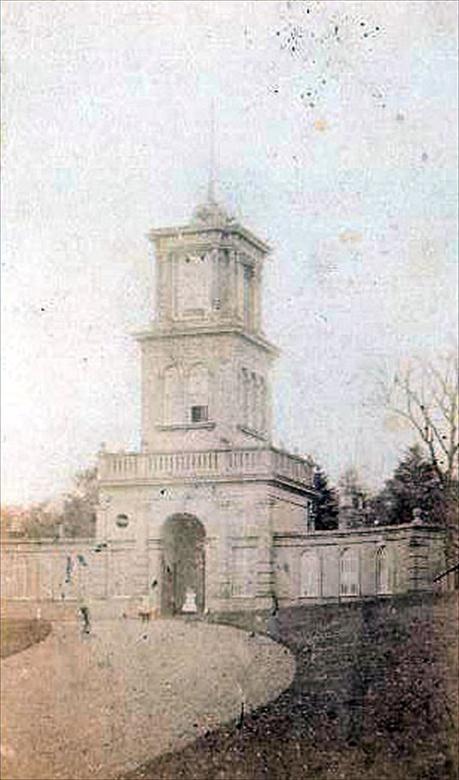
[[193, 288]]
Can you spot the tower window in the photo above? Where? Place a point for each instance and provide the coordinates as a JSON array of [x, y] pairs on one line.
[[199, 414], [247, 295], [198, 394]]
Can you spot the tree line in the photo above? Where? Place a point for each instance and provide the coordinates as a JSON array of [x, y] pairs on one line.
[[414, 485], [425, 397], [73, 516], [425, 480]]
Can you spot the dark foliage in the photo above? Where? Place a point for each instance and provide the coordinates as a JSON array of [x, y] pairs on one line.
[[326, 505], [72, 516], [414, 485], [79, 510]]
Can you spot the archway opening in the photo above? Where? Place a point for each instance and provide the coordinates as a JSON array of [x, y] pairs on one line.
[[182, 565]]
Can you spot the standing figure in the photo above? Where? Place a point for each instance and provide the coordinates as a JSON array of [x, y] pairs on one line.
[[84, 612]]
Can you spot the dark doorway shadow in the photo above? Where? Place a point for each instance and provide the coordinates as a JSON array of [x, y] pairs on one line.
[[182, 563]]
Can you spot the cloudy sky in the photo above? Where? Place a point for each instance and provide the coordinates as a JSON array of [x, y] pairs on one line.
[[336, 143]]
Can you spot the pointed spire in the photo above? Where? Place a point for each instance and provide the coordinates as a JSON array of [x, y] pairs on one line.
[[211, 184], [210, 212]]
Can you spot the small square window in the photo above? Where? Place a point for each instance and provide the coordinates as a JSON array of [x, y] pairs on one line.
[[199, 414]]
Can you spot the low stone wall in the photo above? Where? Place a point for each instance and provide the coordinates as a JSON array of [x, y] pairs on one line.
[[338, 565], [65, 573], [300, 568]]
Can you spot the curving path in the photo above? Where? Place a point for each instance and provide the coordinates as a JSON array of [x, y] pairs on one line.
[[76, 707]]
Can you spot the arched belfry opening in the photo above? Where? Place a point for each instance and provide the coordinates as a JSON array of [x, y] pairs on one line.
[[182, 565]]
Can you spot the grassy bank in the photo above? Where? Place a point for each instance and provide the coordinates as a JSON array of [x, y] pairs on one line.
[[374, 698], [17, 635]]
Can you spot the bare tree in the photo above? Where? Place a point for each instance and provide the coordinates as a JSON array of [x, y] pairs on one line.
[[426, 395]]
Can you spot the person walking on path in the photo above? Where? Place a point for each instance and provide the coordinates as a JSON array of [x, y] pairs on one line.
[[84, 612], [81, 588]]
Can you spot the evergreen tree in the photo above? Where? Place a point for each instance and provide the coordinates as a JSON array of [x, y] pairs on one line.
[[326, 504], [415, 484]]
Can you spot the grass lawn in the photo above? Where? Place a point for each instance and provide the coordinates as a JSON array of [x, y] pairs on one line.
[[374, 698], [17, 635]]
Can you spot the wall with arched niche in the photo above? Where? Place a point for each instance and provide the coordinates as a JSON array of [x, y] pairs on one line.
[[310, 575], [383, 571]]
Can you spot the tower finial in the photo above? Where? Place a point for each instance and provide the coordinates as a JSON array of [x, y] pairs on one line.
[[211, 184]]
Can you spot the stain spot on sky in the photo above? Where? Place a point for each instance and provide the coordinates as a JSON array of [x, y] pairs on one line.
[[321, 125], [304, 33], [248, 37], [350, 237]]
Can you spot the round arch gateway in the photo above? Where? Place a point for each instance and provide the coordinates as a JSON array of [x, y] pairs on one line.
[[182, 565]]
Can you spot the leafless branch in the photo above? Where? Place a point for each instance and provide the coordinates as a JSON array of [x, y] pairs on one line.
[[426, 395]]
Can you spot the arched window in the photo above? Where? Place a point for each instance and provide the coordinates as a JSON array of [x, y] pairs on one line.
[[14, 578], [173, 396], [248, 274], [20, 578], [310, 574], [382, 571], [245, 396], [46, 578], [198, 394], [256, 403], [262, 405], [253, 401], [349, 573]]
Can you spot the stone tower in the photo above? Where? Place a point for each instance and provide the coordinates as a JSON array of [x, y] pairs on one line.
[[205, 362], [194, 514]]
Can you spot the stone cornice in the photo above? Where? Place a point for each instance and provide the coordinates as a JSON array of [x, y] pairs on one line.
[[350, 535], [187, 426], [160, 334], [189, 230], [252, 432]]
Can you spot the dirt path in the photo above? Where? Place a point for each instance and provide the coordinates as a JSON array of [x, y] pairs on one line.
[[79, 706]]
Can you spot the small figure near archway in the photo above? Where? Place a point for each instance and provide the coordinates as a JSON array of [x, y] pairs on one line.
[[182, 565]]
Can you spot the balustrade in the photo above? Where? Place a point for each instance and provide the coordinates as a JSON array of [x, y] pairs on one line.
[[209, 463]]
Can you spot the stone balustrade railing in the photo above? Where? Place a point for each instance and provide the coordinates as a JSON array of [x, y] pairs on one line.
[[267, 462]]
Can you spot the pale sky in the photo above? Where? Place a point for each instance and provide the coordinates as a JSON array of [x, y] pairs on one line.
[[336, 143]]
